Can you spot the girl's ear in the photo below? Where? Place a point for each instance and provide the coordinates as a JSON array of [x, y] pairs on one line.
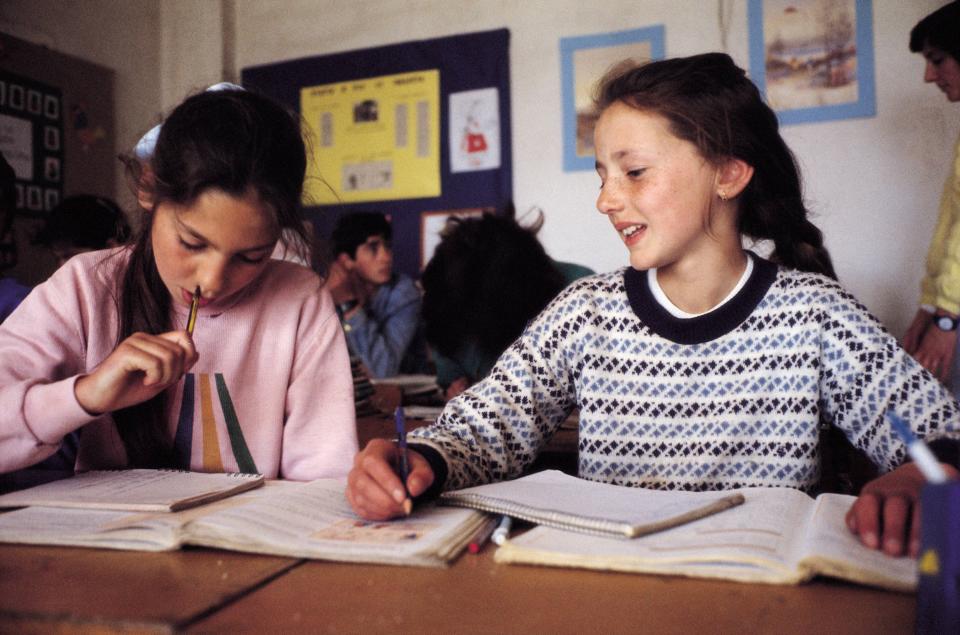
[[732, 177], [145, 199], [145, 188]]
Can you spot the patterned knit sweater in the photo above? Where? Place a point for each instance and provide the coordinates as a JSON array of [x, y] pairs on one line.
[[733, 398]]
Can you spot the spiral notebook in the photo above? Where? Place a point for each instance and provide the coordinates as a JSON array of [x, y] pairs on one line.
[[134, 490], [559, 500]]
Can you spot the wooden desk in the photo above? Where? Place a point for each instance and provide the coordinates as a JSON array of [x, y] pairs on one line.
[[45, 589], [476, 595]]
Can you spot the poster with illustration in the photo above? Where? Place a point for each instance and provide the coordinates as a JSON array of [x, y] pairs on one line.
[[813, 59], [475, 130], [374, 139], [584, 60]]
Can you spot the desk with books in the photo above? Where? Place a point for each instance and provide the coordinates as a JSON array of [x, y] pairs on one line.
[[46, 589]]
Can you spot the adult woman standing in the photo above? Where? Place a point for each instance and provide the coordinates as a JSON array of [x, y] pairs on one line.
[[932, 337]]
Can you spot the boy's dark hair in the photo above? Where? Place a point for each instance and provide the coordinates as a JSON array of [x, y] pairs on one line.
[[352, 230], [487, 278], [85, 221], [940, 29], [230, 140], [710, 102]]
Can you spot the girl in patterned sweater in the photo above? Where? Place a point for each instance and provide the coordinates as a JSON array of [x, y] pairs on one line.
[[263, 383], [702, 366]]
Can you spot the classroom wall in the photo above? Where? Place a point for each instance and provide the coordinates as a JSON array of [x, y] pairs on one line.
[[872, 183], [122, 35]]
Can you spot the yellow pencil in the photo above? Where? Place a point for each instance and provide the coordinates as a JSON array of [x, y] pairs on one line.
[[194, 306]]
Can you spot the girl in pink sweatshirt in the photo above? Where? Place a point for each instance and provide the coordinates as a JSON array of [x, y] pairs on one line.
[[263, 383]]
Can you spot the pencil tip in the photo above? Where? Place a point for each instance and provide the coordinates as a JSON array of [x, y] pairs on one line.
[[408, 507]]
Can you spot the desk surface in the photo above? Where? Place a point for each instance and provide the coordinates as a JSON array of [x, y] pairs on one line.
[[201, 590], [72, 590]]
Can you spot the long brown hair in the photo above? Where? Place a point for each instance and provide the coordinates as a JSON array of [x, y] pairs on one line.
[[710, 102], [230, 140]]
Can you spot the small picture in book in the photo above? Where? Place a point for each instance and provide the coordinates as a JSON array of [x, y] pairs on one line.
[[374, 532]]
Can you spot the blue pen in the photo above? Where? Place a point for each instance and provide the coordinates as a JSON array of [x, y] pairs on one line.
[[401, 424], [925, 460], [502, 532]]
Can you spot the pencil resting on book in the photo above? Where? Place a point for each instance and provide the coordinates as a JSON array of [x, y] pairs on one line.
[[567, 502]]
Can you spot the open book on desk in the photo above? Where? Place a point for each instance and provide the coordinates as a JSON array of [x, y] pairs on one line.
[[284, 518], [566, 502], [134, 490], [778, 536]]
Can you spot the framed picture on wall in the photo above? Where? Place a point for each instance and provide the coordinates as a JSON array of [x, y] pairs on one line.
[[584, 59], [813, 59]]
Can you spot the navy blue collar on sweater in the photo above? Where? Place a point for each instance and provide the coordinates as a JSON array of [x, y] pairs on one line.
[[706, 327]]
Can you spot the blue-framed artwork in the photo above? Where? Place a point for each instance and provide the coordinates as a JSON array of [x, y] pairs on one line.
[[584, 59], [813, 60]]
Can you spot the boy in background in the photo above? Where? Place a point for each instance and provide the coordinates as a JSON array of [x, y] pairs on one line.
[[379, 309]]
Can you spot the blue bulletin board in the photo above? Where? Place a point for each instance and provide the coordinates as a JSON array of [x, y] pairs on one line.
[[418, 131]]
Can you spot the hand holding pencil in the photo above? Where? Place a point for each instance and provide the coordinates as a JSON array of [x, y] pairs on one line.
[[142, 366]]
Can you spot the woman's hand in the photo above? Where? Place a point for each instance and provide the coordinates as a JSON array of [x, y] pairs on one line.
[[886, 515], [373, 488], [936, 351], [139, 368], [921, 322]]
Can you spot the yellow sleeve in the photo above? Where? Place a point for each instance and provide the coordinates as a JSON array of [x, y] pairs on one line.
[[941, 285]]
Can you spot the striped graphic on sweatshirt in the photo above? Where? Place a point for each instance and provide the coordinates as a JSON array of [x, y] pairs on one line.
[[197, 390]]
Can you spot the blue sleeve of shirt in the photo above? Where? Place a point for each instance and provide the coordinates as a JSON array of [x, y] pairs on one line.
[[381, 332]]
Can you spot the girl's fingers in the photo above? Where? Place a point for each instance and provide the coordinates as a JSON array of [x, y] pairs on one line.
[[914, 544], [369, 499], [895, 512], [864, 518], [170, 356]]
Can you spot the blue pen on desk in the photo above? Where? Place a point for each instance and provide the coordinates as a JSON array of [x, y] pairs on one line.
[[401, 423], [922, 456], [502, 532]]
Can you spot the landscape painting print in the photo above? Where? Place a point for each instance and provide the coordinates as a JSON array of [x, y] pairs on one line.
[[584, 60], [813, 59]]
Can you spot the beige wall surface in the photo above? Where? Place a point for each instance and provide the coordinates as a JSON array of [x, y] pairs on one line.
[[872, 183]]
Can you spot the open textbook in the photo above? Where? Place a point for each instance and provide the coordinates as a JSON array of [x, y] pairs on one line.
[[559, 500], [134, 490], [286, 518], [778, 536]]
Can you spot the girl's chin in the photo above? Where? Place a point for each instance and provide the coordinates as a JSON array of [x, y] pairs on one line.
[[641, 262]]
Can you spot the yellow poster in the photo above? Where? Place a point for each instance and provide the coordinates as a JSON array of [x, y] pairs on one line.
[[373, 139]]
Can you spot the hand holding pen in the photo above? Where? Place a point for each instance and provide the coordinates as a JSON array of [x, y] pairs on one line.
[[375, 490]]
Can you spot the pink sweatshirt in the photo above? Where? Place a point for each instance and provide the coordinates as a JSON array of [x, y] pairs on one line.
[[270, 393]]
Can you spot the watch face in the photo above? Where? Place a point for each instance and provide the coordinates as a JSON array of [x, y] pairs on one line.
[[946, 323]]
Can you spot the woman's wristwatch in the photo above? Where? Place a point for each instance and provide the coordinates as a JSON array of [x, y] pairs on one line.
[[946, 322]]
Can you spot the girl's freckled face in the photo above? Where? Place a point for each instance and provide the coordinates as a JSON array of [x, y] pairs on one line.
[[656, 188]]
